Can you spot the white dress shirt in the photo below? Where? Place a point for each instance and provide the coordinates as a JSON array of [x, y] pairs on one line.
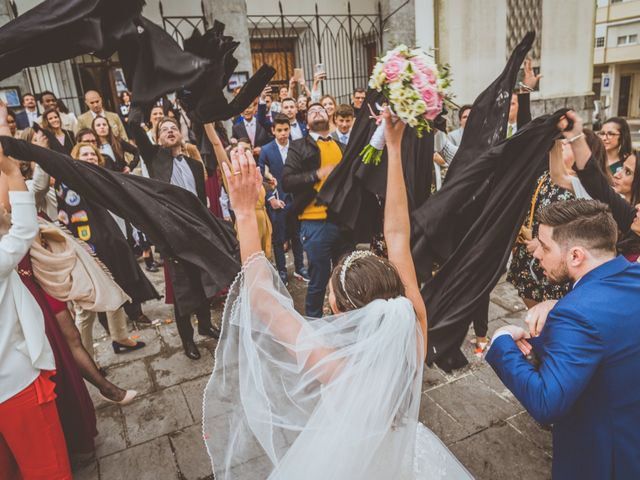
[[32, 116], [182, 176], [343, 137], [24, 348], [284, 150], [251, 129], [296, 131]]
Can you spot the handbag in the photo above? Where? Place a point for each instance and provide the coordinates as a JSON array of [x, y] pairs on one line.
[[67, 270], [526, 231]]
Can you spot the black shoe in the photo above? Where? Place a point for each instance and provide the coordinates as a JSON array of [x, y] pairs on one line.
[[153, 268], [452, 361], [144, 319], [209, 331], [190, 350], [121, 348]]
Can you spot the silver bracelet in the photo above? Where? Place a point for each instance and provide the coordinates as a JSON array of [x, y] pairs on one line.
[[573, 139]]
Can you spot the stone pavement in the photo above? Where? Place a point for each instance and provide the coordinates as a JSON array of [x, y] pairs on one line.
[[159, 435]]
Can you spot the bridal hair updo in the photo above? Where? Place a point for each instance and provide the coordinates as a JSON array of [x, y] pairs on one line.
[[362, 277]]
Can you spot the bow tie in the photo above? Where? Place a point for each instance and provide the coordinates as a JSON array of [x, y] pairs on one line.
[[179, 158], [324, 139]]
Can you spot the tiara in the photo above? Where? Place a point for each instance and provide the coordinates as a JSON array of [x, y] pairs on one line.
[[355, 255]]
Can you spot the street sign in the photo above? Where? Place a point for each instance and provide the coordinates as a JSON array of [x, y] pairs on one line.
[[605, 86]]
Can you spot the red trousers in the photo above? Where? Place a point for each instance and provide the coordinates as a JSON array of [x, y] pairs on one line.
[[32, 445]]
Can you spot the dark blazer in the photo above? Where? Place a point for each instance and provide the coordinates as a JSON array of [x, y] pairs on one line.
[[270, 157], [261, 116], [22, 120], [587, 381], [262, 136], [299, 173], [159, 161]]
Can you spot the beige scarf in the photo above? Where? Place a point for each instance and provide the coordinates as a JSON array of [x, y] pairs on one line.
[[66, 270]]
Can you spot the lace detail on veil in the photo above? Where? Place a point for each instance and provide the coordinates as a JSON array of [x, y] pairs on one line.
[[293, 397]]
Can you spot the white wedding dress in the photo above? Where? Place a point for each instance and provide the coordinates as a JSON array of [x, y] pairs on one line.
[[336, 398]]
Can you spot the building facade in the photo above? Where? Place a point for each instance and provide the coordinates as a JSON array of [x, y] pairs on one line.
[[474, 37], [616, 80]]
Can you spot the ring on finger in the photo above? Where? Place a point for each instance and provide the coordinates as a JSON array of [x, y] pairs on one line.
[[237, 172]]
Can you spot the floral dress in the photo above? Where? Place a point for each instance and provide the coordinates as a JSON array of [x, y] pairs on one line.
[[525, 272]]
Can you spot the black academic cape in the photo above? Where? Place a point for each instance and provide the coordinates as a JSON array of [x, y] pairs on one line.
[[467, 277], [172, 217], [57, 30], [204, 100], [448, 214], [354, 192]]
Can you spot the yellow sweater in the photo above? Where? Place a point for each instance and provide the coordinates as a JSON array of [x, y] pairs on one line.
[[330, 154]]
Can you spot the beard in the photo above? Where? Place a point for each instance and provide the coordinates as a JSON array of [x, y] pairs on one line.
[[558, 275], [320, 125]]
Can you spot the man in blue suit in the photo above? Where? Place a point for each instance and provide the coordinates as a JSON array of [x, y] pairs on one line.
[[28, 116], [289, 108], [587, 383], [273, 156]]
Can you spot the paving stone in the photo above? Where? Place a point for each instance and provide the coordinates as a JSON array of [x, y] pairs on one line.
[[86, 472], [432, 377], [110, 427], [472, 403], [194, 391], [501, 453], [153, 460], [539, 434], [169, 334], [505, 295], [440, 422], [131, 376], [486, 374], [106, 357], [156, 414], [517, 318], [496, 311], [177, 368], [191, 453]]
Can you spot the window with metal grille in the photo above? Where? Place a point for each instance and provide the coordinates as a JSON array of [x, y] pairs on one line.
[[600, 42]]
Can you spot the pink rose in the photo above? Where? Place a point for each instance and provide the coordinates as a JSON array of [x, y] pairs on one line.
[[394, 67], [420, 82], [434, 109], [429, 95], [421, 66]]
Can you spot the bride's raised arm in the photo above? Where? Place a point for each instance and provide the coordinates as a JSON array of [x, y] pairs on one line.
[[244, 180], [397, 230]]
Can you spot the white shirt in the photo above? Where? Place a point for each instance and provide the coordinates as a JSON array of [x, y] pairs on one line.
[[182, 176], [32, 116], [251, 129], [284, 150], [24, 348], [296, 131]]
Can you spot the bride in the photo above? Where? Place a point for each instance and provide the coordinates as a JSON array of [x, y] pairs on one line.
[[332, 398]]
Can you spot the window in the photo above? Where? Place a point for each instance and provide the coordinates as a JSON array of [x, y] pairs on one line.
[[600, 42], [627, 40]]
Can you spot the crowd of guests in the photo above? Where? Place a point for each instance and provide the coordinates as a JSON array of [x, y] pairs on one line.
[[166, 147], [297, 137]]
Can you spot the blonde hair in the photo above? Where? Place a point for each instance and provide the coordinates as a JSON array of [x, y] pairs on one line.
[[75, 153]]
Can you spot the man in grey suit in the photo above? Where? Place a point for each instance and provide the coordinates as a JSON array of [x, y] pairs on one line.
[[455, 136]]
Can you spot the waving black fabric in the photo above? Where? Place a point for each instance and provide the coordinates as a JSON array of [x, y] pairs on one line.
[[204, 99], [57, 30], [449, 213], [172, 217], [352, 189], [465, 280]]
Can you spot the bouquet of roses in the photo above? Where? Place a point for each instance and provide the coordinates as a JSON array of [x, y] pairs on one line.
[[415, 88]]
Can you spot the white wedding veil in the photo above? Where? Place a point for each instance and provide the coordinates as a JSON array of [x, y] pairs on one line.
[[297, 398]]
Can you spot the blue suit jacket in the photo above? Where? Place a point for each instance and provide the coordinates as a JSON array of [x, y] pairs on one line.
[[261, 116], [22, 120], [270, 157], [588, 382]]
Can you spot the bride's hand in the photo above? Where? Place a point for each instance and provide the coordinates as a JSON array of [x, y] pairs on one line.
[[394, 128], [244, 180]]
